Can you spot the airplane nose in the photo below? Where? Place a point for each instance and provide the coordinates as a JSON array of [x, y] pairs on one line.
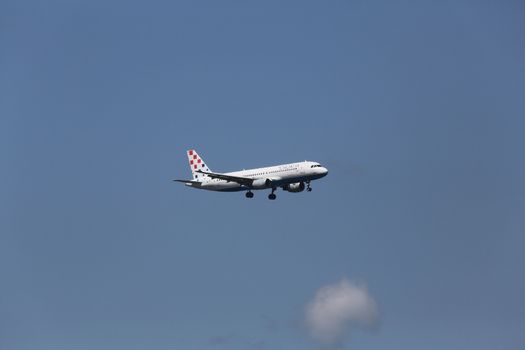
[[324, 171]]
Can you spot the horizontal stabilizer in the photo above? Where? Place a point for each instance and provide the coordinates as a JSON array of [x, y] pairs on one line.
[[189, 181]]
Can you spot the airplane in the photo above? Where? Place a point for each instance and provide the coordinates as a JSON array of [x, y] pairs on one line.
[[290, 177]]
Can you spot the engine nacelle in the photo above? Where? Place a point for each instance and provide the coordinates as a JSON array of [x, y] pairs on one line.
[[261, 183], [294, 187]]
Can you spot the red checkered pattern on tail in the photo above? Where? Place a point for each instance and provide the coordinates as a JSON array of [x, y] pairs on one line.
[[196, 163]]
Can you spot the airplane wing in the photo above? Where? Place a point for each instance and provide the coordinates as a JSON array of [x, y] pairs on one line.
[[245, 181]]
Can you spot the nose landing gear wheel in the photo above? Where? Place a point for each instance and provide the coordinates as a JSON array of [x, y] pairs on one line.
[[249, 194], [308, 188]]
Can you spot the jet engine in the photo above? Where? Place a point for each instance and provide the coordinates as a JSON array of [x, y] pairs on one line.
[[294, 187], [261, 183]]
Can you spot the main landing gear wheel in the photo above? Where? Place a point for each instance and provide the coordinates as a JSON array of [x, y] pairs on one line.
[[249, 194], [272, 196]]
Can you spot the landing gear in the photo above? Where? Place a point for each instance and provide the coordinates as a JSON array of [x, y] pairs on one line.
[[308, 188], [272, 196], [249, 194]]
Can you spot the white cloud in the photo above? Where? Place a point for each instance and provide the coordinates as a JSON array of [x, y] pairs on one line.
[[336, 309]]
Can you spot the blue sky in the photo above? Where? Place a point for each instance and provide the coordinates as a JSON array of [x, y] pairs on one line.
[[416, 108]]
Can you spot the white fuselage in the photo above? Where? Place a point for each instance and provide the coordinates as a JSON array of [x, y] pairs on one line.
[[268, 177]]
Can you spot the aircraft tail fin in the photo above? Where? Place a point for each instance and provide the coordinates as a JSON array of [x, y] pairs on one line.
[[197, 163]]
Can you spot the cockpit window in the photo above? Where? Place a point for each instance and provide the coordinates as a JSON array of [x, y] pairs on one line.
[[315, 166]]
